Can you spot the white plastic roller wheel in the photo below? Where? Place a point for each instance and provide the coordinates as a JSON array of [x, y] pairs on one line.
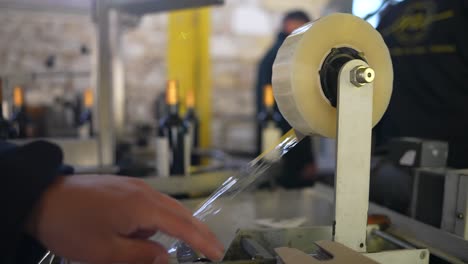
[[296, 80]]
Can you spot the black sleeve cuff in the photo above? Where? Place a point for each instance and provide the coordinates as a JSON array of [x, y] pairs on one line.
[[26, 173]]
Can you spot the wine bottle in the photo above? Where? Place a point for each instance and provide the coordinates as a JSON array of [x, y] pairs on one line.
[[20, 118], [193, 126], [269, 120], [171, 138], [85, 126], [6, 130]]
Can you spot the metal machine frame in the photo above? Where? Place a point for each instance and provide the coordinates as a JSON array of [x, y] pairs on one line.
[[354, 128], [353, 147]]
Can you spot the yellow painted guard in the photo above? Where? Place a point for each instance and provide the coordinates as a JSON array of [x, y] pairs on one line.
[[189, 62]]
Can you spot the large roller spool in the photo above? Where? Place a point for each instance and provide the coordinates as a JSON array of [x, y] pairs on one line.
[[307, 65]]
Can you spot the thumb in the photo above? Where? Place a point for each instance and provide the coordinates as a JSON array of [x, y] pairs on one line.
[[140, 251]]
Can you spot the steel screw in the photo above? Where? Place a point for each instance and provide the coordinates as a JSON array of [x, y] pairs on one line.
[[422, 255], [460, 216], [362, 75]]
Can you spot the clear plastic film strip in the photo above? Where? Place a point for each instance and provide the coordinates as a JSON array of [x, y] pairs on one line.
[[213, 210]]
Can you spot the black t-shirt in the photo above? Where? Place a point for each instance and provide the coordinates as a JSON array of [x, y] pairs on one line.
[[428, 41]]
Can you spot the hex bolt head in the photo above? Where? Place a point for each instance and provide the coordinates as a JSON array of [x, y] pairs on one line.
[[362, 75]]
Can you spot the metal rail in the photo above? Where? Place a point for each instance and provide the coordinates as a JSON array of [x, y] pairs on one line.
[[142, 7], [438, 241], [79, 7]]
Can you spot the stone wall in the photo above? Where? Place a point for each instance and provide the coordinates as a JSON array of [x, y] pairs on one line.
[[27, 42], [242, 31]]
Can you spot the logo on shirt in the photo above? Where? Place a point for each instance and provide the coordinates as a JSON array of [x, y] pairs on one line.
[[416, 21]]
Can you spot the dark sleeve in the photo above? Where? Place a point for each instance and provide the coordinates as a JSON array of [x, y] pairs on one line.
[[462, 31], [26, 172]]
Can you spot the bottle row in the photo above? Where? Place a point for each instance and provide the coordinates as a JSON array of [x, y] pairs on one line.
[[177, 138], [25, 121]]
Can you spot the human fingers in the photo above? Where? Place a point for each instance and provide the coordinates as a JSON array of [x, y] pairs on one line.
[[171, 203], [175, 209], [142, 234], [188, 229], [137, 251]]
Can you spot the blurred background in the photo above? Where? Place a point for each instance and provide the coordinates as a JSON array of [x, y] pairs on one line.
[[36, 40]]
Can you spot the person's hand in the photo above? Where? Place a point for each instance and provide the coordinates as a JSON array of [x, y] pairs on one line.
[[108, 219]]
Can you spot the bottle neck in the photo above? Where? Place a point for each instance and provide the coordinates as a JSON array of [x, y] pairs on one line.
[[18, 107], [190, 112], [173, 110], [1, 108], [1, 99], [269, 109]]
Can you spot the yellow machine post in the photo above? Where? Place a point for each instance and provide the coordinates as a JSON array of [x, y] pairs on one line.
[[189, 62]]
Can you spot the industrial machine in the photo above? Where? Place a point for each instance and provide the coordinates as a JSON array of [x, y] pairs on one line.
[[334, 78], [345, 94]]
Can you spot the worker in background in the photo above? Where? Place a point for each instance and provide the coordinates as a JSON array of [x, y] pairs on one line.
[[428, 42], [299, 166], [100, 219]]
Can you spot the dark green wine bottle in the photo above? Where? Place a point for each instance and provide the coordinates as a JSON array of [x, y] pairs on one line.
[[171, 138], [20, 119], [193, 125], [85, 125], [6, 130]]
